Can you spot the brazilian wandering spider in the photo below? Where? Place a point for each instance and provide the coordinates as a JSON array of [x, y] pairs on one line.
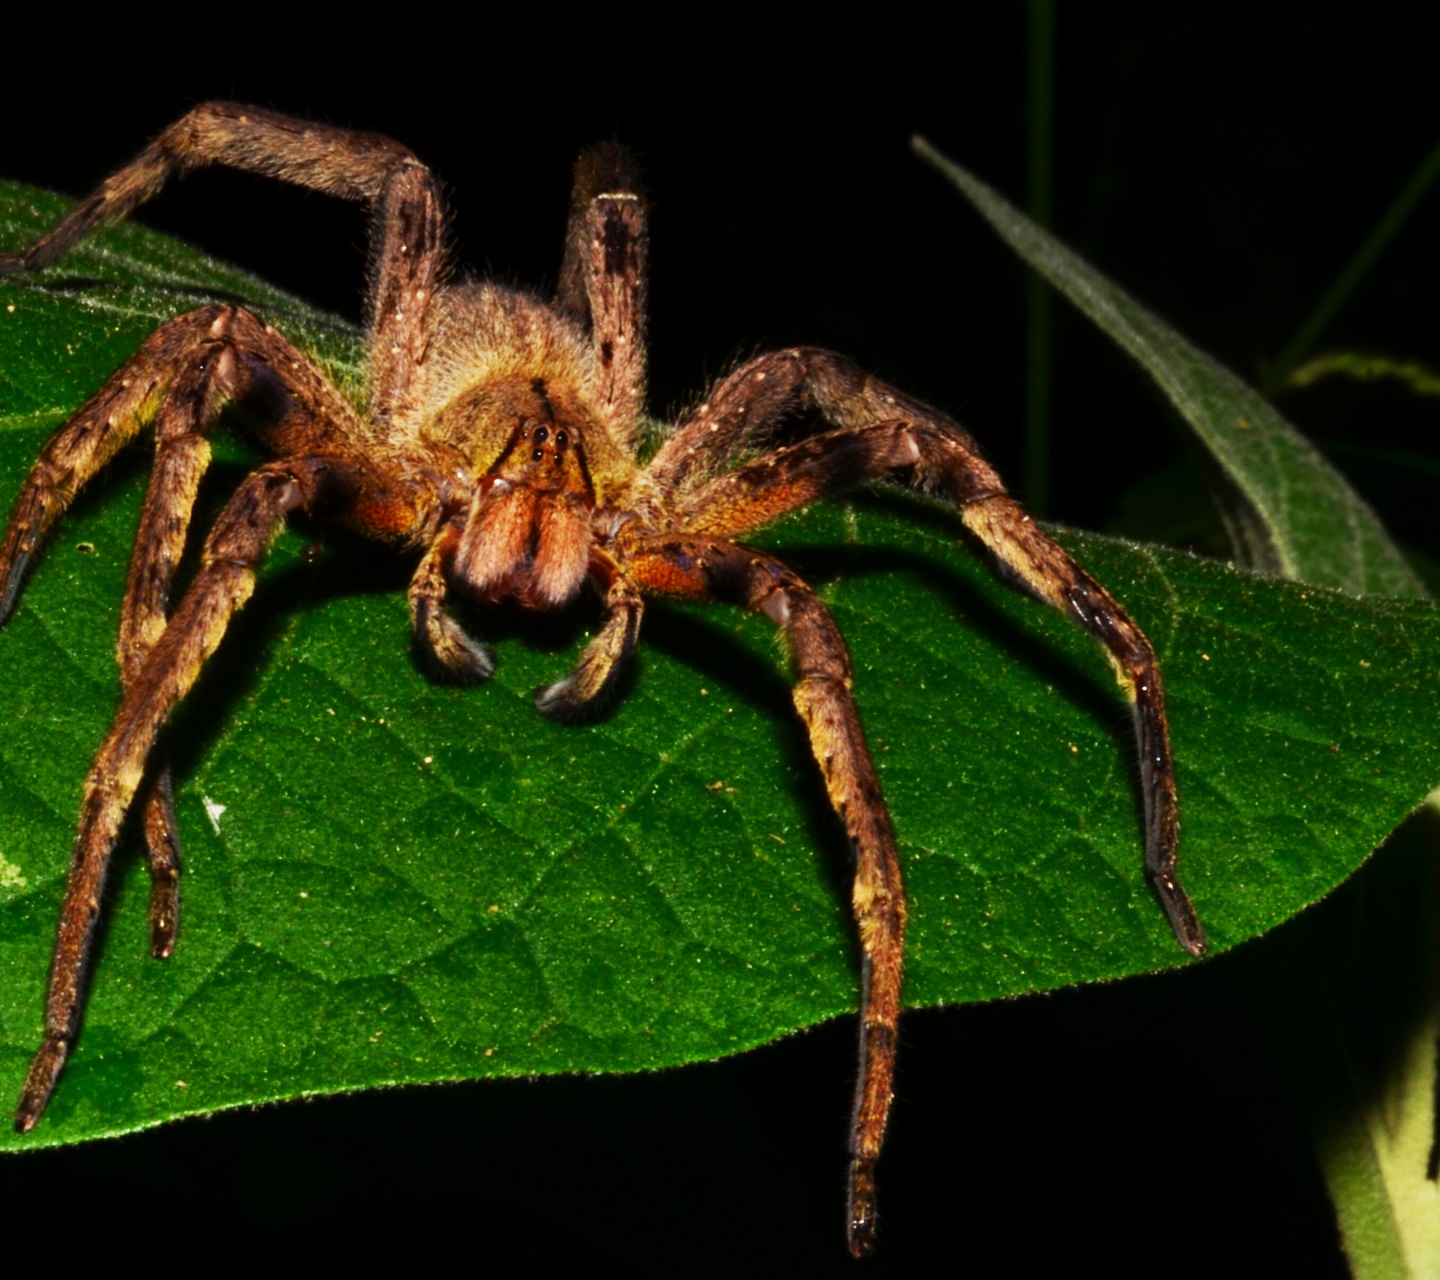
[[498, 444]]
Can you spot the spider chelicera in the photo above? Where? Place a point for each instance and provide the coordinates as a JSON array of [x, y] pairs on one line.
[[498, 441]]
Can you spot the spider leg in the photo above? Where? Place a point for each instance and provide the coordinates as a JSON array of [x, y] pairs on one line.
[[700, 568], [112, 417], [884, 433], [448, 650], [226, 578], [602, 279], [181, 378], [591, 683], [407, 233], [182, 454], [175, 383], [736, 416]]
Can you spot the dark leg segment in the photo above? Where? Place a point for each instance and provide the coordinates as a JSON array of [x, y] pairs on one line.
[[182, 455], [340, 162], [225, 581], [409, 266], [602, 279], [1047, 570], [883, 433], [704, 569]]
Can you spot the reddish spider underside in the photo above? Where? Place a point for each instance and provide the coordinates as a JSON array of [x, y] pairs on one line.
[[497, 442]]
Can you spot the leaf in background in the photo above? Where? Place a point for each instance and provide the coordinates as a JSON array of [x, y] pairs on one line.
[[1288, 510], [388, 881]]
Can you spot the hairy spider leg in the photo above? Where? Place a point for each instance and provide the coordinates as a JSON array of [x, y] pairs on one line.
[[249, 363], [408, 266], [182, 456], [168, 381], [603, 279], [887, 434], [603, 285], [407, 218], [699, 568]]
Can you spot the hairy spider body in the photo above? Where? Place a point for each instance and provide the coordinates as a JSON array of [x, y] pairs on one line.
[[498, 439]]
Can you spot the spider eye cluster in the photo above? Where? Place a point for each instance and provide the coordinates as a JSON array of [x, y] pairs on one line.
[[539, 436]]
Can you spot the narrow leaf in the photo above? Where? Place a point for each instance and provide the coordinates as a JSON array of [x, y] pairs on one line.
[[1288, 503]]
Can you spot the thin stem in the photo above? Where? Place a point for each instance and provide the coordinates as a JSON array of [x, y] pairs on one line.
[[1355, 270], [1039, 318]]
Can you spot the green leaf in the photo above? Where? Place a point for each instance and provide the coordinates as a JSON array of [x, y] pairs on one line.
[[1288, 511], [388, 881]]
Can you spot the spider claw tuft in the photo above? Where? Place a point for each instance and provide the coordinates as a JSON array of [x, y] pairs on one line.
[[461, 660], [556, 700], [567, 702], [861, 1234], [40, 1082]]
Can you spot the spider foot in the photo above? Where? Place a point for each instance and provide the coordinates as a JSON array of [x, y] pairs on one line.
[[1181, 912], [592, 685], [450, 654], [861, 1233], [164, 917], [40, 1083], [588, 690], [576, 697]]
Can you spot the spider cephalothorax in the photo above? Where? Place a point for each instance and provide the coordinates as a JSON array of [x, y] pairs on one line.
[[498, 442]]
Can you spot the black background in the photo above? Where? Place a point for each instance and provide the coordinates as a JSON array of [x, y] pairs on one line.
[[1223, 165]]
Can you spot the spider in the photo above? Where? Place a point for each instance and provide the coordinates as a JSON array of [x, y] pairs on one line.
[[498, 441]]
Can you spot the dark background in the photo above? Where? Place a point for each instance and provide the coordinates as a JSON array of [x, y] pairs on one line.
[[1224, 166]]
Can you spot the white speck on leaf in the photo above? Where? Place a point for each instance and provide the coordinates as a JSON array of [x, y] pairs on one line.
[[10, 877], [213, 812]]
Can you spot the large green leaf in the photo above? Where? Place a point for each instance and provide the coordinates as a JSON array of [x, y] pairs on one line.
[[390, 881]]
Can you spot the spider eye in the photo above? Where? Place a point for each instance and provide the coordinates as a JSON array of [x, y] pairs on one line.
[[541, 435], [538, 455], [561, 439]]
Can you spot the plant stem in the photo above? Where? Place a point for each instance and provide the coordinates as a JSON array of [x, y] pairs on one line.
[[1355, 270], [1039, 319]]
